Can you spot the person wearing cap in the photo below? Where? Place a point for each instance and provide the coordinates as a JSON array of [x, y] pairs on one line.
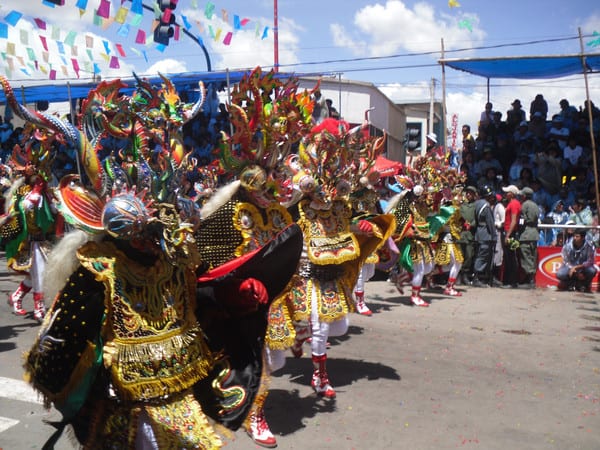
[[529, 237], [467, 240], [485, 237], [486, 162], [581, 214], [515, 115], [512, 214], [432, 146], [577, 270], [559, 132]]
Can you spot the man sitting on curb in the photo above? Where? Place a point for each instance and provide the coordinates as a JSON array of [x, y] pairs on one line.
[[577, 270]]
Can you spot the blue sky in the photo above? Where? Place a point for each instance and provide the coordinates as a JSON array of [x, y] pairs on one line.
[[393, 44]]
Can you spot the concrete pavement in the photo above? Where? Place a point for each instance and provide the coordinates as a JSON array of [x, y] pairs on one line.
[[494, 369]]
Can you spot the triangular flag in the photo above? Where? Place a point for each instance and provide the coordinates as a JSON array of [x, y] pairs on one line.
[[31, 54], [114, 63], [121, 15], [44, 43], [25, 72], [218, 34], [13, 17], [40, 24], [140, 37], [74, 50], [65, 71], [105, 56], [123, 30], [209, 10], [89, 54], [244, 22], [52, 75], [89, 41], [265, 33], [104, 9], [225, 15], [106, 46], [161, 47], [3, 30], [61, 47], [136, 7], [24, 37], [211, 32], [120, 50], [96, 68], [55, 34], [236, 22], [136, 20], [186, 24], [227, 39], [10, 48], [75, 66], [46, 57], [70, 38], [82, 5]]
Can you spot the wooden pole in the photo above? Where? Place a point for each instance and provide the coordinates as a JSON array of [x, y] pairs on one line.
[[590, 119], [445, 130]]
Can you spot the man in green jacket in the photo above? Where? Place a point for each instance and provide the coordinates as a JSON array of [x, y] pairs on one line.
[[529, 237]]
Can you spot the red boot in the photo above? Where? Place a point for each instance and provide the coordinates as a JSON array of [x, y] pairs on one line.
[[16, 299], [450, 288], [320, 380], [39, 308], [415, 297], [258, 430], [361, 306]]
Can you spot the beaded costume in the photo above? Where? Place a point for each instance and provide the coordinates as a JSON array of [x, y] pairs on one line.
[[142, 345]]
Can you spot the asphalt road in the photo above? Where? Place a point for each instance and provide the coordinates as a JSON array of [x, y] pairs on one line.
[[493, 369]]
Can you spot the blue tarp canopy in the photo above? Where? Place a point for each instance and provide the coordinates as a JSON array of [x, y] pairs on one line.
[[61, 91], [526, 67]]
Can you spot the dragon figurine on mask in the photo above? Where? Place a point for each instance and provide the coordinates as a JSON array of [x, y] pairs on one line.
[[128, 351]]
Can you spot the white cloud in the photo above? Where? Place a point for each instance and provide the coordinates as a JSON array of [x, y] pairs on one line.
[[167, 65], [381, 30]]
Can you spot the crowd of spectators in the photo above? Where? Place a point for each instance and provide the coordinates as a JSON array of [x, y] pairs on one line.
[[546, 149]]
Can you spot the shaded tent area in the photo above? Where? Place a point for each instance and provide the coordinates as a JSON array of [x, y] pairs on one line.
[[62, 91], [526, 67], [537, 67]]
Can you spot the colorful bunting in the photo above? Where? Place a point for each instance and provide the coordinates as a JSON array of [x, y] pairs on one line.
[[40, 23], [114, 63], [13, 17], [228, 37], [70, 38], [3, 30], [44, 43], [225, 15], [136, 20], [136, 7], [209, 10], [594, 42], [123, 30], [121, 15], [24, 37], [140, 37], [120, 50], [466, 23], [82, 5], [52, 75], [103, 9], [453, 4], [186, 24], [265, 33]]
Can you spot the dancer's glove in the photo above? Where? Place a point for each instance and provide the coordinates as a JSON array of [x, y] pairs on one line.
[[253, 291]]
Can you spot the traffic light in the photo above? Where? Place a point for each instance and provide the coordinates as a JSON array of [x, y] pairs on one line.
[[413, 137], [165, 28]]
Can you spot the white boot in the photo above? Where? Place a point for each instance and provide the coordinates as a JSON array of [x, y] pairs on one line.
[[258, 430]]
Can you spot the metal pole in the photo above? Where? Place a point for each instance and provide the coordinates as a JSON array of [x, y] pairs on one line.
[[340, 94], [275, 37], [590, 119], [445, 131]]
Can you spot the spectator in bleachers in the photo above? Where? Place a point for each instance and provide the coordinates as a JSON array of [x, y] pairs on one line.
[[541, 197], [525, 178], [539, 104], [580, 182], [559, 132], [487, 115], [487, 160], [490, 179], [558, 215], [468, 168], [548, 165], [520, 163], [523, 139], [537, 126], [468, 141], [572, 157], [566, 196], [569, 113], [515, 116]]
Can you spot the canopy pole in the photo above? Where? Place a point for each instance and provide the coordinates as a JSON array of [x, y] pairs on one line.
[[487, 84], [590, 119], [445, 130]]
